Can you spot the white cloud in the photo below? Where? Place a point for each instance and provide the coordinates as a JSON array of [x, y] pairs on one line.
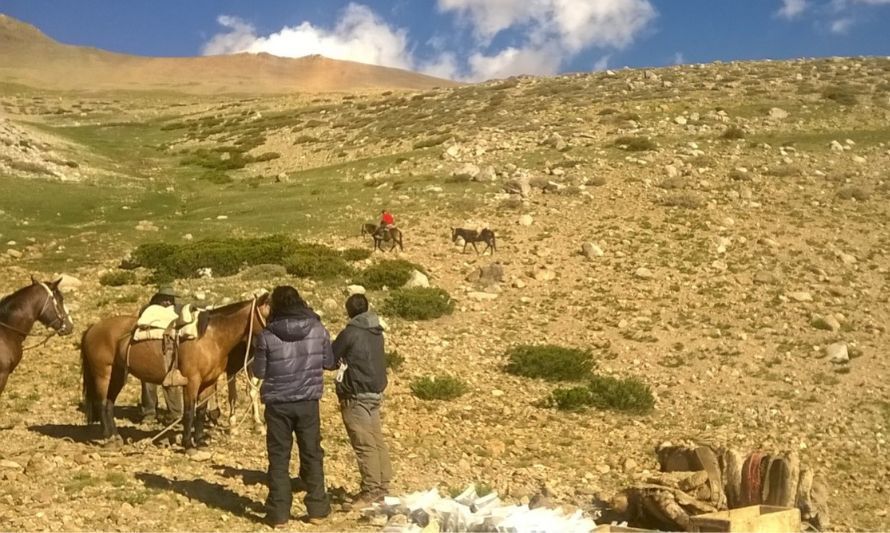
[[359, 35], [546, 34], [792, 9], [602, 63], [841, 25], [678, 58]]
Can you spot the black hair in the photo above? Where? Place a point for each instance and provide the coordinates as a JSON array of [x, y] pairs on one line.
[[286, 300], [356, 305]]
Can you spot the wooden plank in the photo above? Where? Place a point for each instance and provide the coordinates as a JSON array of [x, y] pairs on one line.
[[761, 518]]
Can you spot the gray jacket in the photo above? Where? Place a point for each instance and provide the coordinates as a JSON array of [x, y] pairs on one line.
[[360, 346]]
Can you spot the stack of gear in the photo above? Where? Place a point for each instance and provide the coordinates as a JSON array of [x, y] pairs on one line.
[[703, 479], [165, 323]]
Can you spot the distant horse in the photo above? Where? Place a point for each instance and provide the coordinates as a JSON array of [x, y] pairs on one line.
[[383, 234], [107, 355], [369, 228], [39, 301], [471, 236]]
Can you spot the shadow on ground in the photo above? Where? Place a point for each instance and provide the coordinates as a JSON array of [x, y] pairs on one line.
[[256, 477], [210, 494], [83, 433]]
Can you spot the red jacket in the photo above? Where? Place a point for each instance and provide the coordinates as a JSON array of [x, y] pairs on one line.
[[387, 219]]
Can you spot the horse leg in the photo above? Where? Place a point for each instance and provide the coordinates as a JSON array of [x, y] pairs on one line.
[[200, 415], [189, 401], [475, 248], [4, 376], [255, 404], [232, 389], [115, 385]]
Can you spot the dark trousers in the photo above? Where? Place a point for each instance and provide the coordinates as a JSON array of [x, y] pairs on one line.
[[283, 421], [148, 404], [362, 421]]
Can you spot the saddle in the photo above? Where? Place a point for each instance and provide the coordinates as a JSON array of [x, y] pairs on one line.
[[158, 322]]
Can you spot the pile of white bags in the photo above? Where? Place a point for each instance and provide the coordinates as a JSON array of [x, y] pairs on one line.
[[430, 512]]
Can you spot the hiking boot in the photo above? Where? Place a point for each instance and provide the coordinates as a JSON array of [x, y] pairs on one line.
[[314, 520], [174, 378], [363, 500]]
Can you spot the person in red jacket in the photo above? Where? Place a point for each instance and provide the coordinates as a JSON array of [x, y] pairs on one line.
[[386, 219]]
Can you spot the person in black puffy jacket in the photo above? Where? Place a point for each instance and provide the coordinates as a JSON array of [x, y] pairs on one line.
[[291, 354], [360, 384]]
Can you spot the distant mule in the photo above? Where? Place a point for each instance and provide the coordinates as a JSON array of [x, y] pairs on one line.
[[39, 301], [471, 236]]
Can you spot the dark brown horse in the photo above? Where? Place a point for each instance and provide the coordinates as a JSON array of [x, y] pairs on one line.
[[384, 234], [107, 356], [39, 301], [471, 236]]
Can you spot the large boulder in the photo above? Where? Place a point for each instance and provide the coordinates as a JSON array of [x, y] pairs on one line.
[[488, 275], [417, 280]]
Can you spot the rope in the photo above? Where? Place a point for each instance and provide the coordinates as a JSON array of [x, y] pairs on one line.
[[253, 309]]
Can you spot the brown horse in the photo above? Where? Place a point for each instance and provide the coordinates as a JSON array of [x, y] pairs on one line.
[[384, 234], [472, 236], [107, 356], [39, 301]]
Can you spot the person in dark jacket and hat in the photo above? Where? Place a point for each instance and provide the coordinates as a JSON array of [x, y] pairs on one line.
[[359, 352], [148, 402], [291, 355]]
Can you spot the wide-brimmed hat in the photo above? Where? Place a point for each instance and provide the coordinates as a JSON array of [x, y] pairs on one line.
[[167, 290]]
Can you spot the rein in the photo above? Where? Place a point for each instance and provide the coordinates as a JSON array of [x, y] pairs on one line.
[[254, 309]]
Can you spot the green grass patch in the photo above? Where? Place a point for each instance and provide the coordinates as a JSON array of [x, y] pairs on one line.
[[549, 362], [317, 262], [629, 395], [391, 273], [419, 303], [117, 278], [841, 94], [733, 133], [439, 388], [355, 254]]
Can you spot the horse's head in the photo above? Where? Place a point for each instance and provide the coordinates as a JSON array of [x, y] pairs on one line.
[[263, 309], [53, 313], [453, 234]]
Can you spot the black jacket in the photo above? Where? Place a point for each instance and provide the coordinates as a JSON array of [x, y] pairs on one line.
[[290, 356], [360, 346]]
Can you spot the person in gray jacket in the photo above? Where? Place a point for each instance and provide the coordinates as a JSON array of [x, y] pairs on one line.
[[290, 356], [359, 352]]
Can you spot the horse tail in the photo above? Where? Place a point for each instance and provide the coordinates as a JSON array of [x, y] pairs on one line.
[[90, 398]]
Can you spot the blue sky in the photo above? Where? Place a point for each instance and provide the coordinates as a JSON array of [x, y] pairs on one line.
[[474, 39]]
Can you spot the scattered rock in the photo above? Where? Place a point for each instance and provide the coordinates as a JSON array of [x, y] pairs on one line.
[[644, 273], [545, 275], [487, 275], [827, 323], [778, 113], [590, 250], [837, 353], [800, 296], [468, 171], [13, 253], [355, 289], [69, 283], [526, 220], [417, 279]]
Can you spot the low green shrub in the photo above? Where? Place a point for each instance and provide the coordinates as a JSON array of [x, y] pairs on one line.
[[635, 144], [117, 278], [355, 254], [733, 133], [840, 94], [439, 388], [549, 362], [317, 262], [226, 257], [629, 395], [391, 273], [263, 272], [394, 361], [419, 303], [686, 200], [852, 191]]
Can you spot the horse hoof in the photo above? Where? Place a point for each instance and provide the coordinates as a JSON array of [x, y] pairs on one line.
[[113, 442]]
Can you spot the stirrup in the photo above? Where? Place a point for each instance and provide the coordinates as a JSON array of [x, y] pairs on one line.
[[174, 378]]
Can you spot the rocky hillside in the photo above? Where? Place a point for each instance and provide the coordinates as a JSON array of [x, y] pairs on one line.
[[717, 231]]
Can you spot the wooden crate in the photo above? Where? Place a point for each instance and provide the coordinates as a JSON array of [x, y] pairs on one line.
[[760, 518]]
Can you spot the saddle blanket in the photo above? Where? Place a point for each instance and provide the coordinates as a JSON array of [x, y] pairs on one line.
[[156, 319]]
